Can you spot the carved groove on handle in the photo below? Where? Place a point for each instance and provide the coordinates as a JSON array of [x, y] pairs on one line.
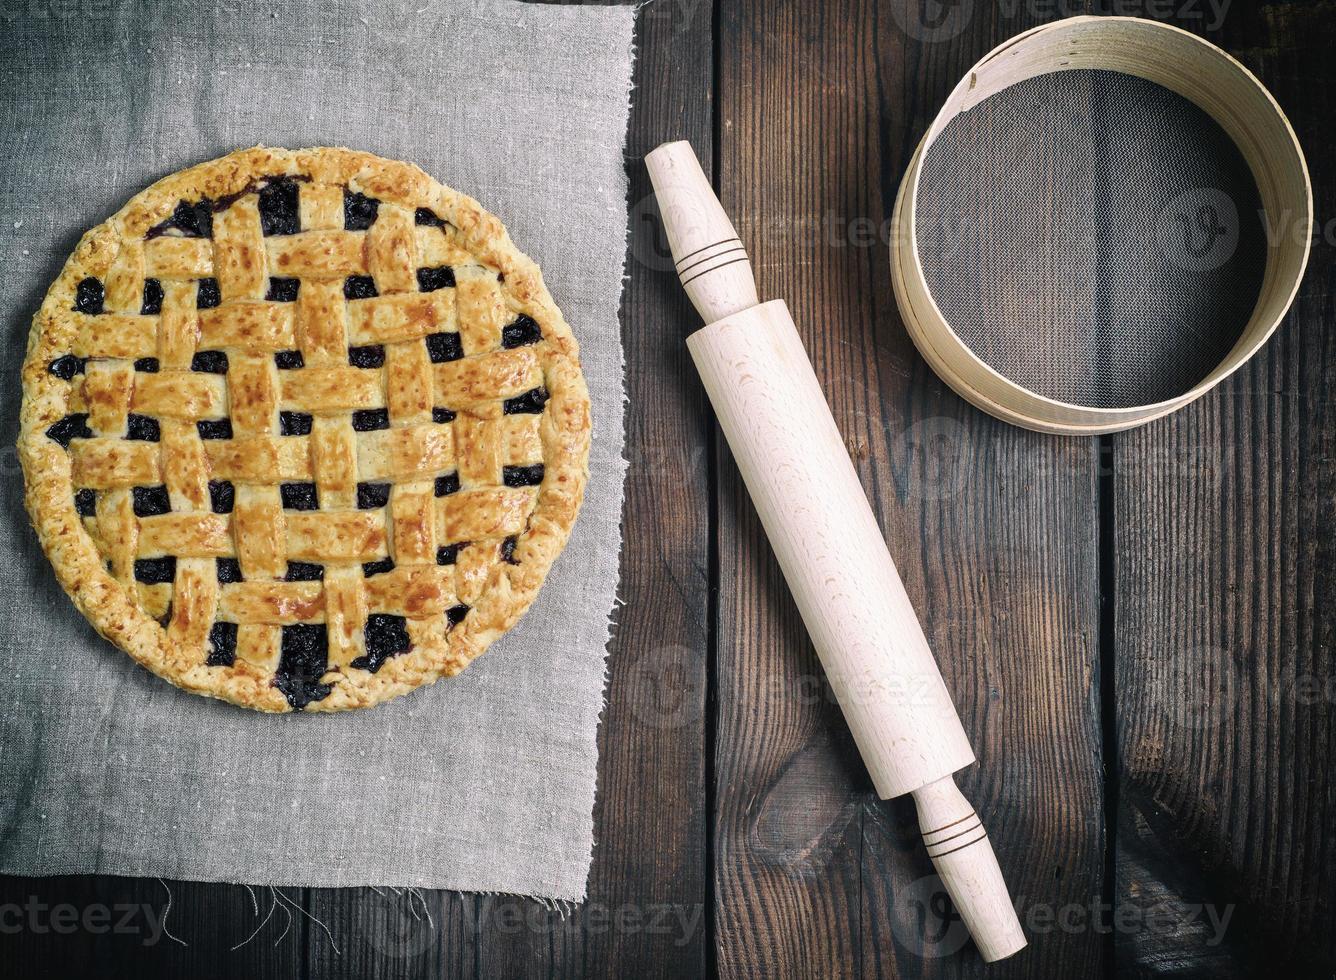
[[709, 256]]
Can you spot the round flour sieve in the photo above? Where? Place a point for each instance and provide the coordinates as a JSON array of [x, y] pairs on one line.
[[1107, 218]]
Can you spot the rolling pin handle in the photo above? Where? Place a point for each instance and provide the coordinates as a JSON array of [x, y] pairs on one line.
[[709, 257], [960, 850]]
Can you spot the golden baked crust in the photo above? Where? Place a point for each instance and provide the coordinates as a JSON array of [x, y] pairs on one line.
[[302, 428]]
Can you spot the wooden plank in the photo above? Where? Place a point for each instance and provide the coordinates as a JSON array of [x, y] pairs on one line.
[[1225, 622], [391, 933], [649, 886], [995, 532], [67, 924], [646, 914]]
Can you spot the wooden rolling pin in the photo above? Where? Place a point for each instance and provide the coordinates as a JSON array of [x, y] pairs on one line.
[[828, 543]]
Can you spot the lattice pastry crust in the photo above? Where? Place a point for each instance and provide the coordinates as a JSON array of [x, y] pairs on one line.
[[302, 429]]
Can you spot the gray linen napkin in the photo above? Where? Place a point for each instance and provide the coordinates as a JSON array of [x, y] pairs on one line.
[[484, 782]]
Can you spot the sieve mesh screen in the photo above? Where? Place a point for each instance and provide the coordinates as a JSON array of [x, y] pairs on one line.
[[1092, 236]]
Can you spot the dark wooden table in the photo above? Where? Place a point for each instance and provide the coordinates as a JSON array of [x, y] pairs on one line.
[[1138, 630]]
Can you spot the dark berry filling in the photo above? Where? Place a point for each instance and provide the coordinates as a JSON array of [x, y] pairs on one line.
[[522, 476], [283, 290], [298, 496], [372, 356], [279, 214], [222, 496], [370, 419], [304, 571], [70, 427], [191, 220], [142, 428], [508, 550], [455, 614], [154, 571], [370, 496], [289, 360], [442, 415], [385, 636], [214, 428], [65, 368], [442, 347], [359, 211], [303, 658], [209, 362], [359, 287], [448, 554], [88, 296], [207, 294], [433, 278], [294, 424], [222, 645], [529, 403], [521, 333], [149, 365], [150, 501], [424, 216], [85, 502], [229, 570], [377, 567], [152, 302], [448, 484], [195, 219]]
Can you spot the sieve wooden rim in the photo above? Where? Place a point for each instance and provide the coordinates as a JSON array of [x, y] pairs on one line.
[[1183, 63]]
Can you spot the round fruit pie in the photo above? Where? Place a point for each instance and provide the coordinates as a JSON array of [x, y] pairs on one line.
[[302, 429]]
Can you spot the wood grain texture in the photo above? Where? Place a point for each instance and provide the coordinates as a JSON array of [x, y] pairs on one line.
[[994, 531], [118, 929], [1224, 629]]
